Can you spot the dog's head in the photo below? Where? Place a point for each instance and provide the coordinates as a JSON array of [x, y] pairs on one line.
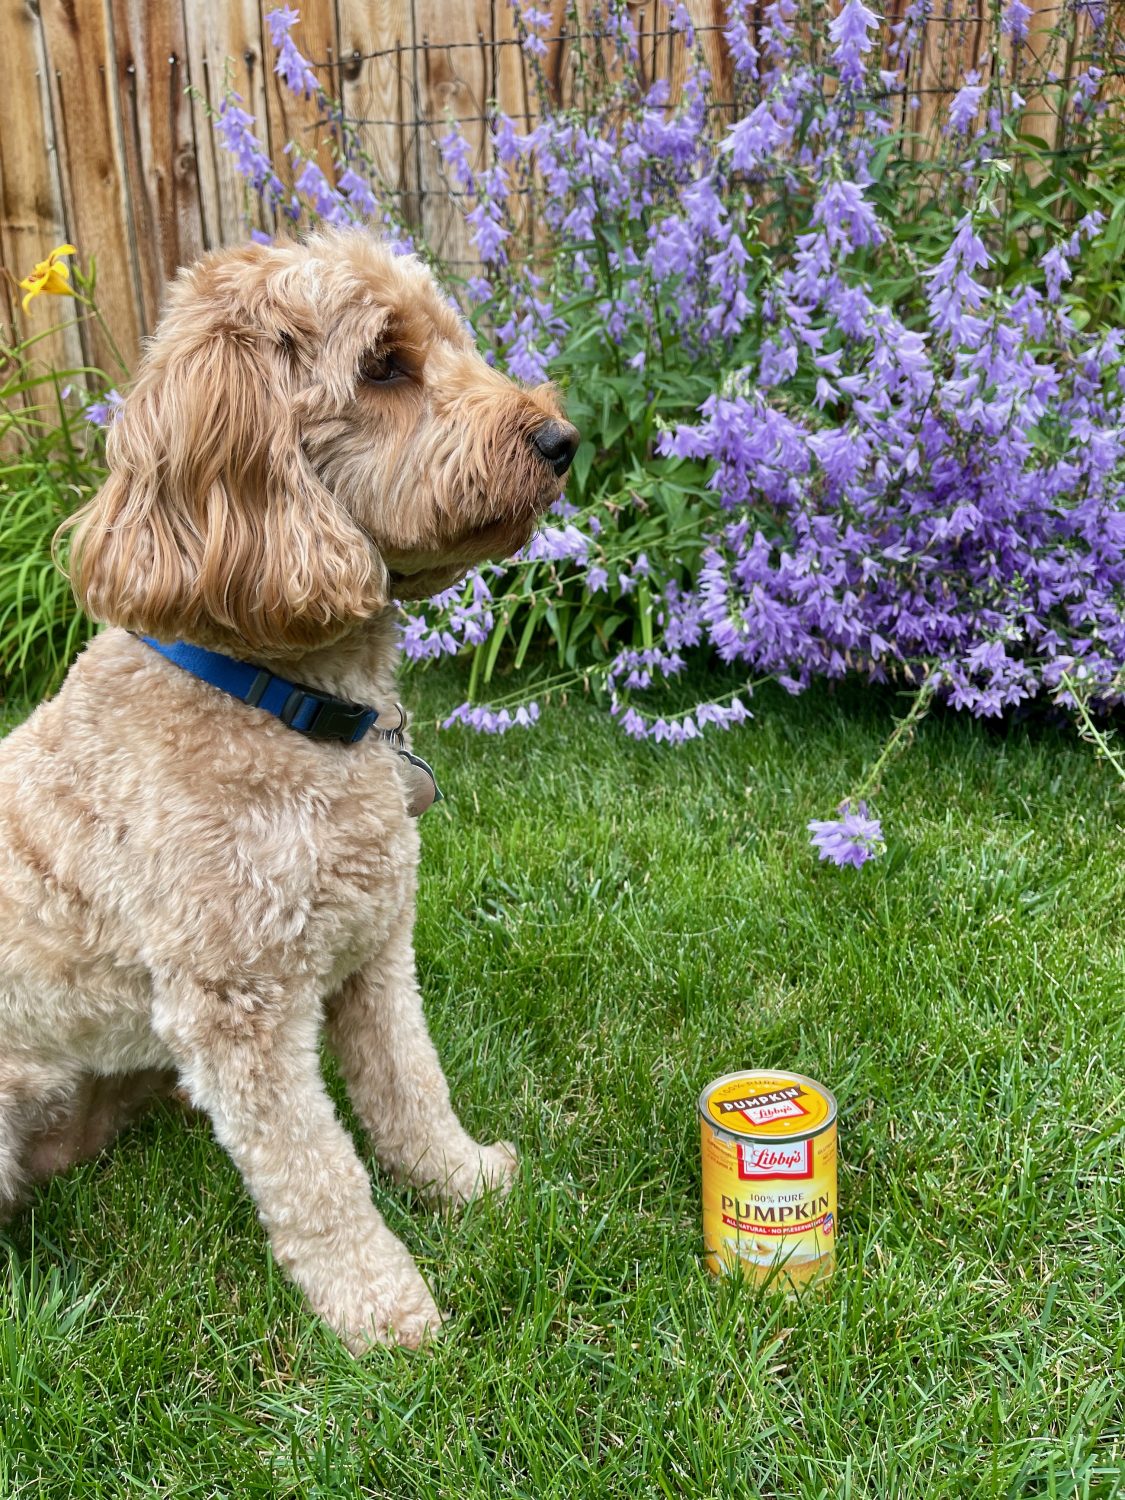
[[311, 432]]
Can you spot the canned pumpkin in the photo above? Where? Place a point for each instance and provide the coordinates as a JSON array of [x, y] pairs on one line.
[[769, 1177]]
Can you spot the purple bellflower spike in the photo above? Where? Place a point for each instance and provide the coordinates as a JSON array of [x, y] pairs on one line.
[[965, 104], [849, 34], [290, 66]]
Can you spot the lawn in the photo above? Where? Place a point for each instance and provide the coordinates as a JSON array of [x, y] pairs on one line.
[[604, 927]]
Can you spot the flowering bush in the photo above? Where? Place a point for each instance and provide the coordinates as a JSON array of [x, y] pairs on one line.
[[913, 464], [843, 412]]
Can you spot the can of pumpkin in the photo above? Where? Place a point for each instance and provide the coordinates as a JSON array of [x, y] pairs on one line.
[[769, 1177]]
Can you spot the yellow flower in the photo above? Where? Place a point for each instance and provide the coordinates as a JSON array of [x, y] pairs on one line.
[[51, 275]]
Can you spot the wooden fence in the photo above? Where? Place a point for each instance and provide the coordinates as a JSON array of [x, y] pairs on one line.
[[103, 145]]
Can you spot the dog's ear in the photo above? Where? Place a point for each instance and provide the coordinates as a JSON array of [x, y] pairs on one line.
[[212, 526]]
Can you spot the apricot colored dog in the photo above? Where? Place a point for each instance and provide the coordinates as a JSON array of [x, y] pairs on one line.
[[191, 890]]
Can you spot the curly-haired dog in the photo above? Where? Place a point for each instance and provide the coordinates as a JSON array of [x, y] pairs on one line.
[[189, 886]]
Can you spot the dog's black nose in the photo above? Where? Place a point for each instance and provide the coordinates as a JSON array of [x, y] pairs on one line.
[[558, 443]]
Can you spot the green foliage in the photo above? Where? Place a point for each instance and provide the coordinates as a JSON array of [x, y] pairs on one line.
[[50, 463], [1070, 188]]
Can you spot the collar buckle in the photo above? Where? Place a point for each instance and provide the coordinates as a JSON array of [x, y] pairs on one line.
[[322, 717]]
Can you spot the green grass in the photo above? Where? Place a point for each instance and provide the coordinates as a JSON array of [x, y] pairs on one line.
[[603, 928]]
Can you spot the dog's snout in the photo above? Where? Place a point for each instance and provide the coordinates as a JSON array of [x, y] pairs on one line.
[[557, 442]]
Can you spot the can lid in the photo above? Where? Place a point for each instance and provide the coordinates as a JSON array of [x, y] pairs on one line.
[[769, 1103]]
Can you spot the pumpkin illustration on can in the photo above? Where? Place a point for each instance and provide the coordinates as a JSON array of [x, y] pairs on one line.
[[769, 1177]]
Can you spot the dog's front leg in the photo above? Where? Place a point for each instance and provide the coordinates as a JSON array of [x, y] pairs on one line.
[[250, 1059], [377, 1029]]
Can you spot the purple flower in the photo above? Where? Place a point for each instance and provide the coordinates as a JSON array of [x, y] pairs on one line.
[[492, 721], [1014, 20], [296, 71], [966, 102], [327, 203], [489, 232], [680, 20], [454, 150], [849, 34], [1056, 270], [106, 410], [280, 22], [235, 129], [847, 217], [743, 52], [290, 65], [851, 839], [358, 192], [534, 22], [755, 138], [555, 544]]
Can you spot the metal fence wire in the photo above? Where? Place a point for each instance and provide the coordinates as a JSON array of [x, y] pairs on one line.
[[474, 79]]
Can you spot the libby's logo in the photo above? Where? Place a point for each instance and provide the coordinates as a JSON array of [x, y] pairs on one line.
[[760, 1109], [756, 1163]]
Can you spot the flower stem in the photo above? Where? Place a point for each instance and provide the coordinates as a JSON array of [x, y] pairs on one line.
[[1089, 731], [104, 326], [899, 738]]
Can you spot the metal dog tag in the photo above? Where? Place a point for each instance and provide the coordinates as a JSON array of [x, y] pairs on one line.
[[422, 788]]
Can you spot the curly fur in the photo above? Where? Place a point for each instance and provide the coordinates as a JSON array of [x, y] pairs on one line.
[[189, 891]]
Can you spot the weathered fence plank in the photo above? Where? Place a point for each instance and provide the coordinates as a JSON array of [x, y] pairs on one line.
[[291, 118], [377, 90], [82, 78], [453, 87], [32, 221], [224, 43], [166, 224]]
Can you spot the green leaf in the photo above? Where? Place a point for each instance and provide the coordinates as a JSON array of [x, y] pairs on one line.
[[583, 462]]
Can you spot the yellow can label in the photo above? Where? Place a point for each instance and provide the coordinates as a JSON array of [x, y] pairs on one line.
[[769, 1177]]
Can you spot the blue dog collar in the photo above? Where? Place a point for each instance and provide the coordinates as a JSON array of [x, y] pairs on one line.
[[318, 715]]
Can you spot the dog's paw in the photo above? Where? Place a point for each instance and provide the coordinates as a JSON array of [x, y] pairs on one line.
[[499, 1164], [485, 1169], [402, 1313], [369, 1291]]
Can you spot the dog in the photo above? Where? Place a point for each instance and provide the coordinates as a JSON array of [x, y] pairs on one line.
[[193, 889]]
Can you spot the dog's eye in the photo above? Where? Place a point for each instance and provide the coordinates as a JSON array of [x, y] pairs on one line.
[[380, 367]]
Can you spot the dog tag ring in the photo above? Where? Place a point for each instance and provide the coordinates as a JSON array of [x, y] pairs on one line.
[[422, 790]]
